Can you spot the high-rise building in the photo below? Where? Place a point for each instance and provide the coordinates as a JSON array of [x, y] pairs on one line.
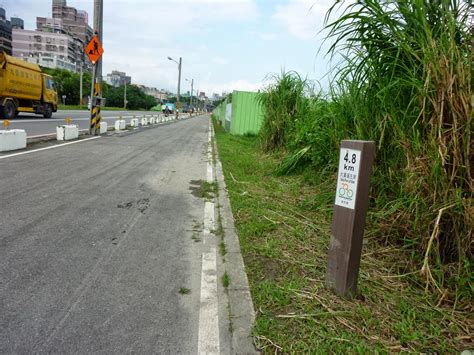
[[160, 95], [17, 23], [49, 24], [118, 78], [74, 21], [5, 33], [53, 50]]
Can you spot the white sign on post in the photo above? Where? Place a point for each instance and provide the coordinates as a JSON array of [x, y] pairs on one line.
[[348, 176]]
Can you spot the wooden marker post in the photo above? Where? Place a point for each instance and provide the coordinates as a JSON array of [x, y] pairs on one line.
[[350, 209]]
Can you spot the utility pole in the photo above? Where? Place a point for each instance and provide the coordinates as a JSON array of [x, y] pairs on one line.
[[125, 95], [179, 85], [98, 28], [80, 89], [191, 99], [97, 69]]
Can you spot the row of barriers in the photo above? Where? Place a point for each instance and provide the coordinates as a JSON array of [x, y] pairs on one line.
[[15, 139]]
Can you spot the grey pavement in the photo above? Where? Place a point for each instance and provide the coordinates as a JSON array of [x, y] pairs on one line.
[[96, 241], [35, 125]]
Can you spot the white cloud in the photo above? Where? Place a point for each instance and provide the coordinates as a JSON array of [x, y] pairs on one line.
[[140, 41], [304, 19], [230, 86], [220, 60], [268, 36]]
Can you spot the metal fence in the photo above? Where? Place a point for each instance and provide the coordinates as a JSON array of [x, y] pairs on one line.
[[240, 113]]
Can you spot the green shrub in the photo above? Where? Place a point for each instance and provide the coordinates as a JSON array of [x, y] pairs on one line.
[[406, 84]]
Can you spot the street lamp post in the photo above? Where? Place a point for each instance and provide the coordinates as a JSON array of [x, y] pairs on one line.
[[179, 82], [191, 99], [125, 95]]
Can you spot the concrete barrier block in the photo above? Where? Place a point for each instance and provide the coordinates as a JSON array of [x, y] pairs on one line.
[[120, 124], [134, 122], [12, 139], [67, 132], [103, 127], [144, 121]]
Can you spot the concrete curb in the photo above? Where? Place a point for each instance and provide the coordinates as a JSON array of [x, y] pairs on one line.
[[240, 298]]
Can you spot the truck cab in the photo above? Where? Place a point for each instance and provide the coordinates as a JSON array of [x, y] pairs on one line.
[[50, 97]]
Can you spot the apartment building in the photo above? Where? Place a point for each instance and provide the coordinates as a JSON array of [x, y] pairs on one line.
[[45, 48], [5, 33]]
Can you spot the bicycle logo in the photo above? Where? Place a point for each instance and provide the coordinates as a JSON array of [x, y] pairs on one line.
[[345, 191]]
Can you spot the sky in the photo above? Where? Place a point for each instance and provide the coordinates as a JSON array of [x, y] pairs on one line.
[[225, 45]]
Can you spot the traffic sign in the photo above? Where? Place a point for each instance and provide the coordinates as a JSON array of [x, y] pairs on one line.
[[94, 49], [348, 177]]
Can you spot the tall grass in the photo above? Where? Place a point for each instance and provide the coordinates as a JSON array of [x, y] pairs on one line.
[[284, 100], [405, 83]]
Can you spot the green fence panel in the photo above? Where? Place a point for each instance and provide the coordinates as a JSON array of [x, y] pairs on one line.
[[222, 111], [247, 113]]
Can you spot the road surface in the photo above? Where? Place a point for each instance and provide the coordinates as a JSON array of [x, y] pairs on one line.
[[35, 125], [101, 243]]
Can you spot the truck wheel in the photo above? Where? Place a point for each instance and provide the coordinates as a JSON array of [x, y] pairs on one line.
[[9, 110], [48, 111]]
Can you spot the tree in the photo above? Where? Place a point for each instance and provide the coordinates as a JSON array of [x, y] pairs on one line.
[[136, 98], [67, 83]]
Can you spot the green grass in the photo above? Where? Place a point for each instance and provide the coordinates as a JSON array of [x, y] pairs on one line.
[[208, 190], [184, 291], [283, 224], [405, 82], [226, 280]]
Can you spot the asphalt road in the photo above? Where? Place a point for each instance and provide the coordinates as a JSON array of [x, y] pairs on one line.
[[35, 125], [97, 239]]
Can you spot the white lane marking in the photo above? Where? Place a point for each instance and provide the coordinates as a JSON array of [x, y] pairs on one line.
[[210, 175], [208, 218], [52, 147], [208, 340], [208, 314]]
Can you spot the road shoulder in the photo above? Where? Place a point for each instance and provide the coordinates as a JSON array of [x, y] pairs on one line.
[[242, 313]]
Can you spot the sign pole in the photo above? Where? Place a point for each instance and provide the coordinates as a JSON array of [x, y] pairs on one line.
[[350, 209], [92, 119]]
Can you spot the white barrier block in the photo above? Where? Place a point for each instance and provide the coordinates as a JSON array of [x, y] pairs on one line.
[[67, 132], [12, 139], [152, 120], [119, 124], [134, 122], [103, 127], [144, 121]]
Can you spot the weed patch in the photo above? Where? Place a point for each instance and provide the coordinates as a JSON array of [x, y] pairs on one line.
[[184, 291], [283, 224], [226, 280]]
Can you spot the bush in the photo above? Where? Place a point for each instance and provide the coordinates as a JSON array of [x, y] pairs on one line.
[[406, 84]]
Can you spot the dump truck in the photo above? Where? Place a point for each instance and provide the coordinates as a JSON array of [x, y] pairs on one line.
[[24, 88]]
